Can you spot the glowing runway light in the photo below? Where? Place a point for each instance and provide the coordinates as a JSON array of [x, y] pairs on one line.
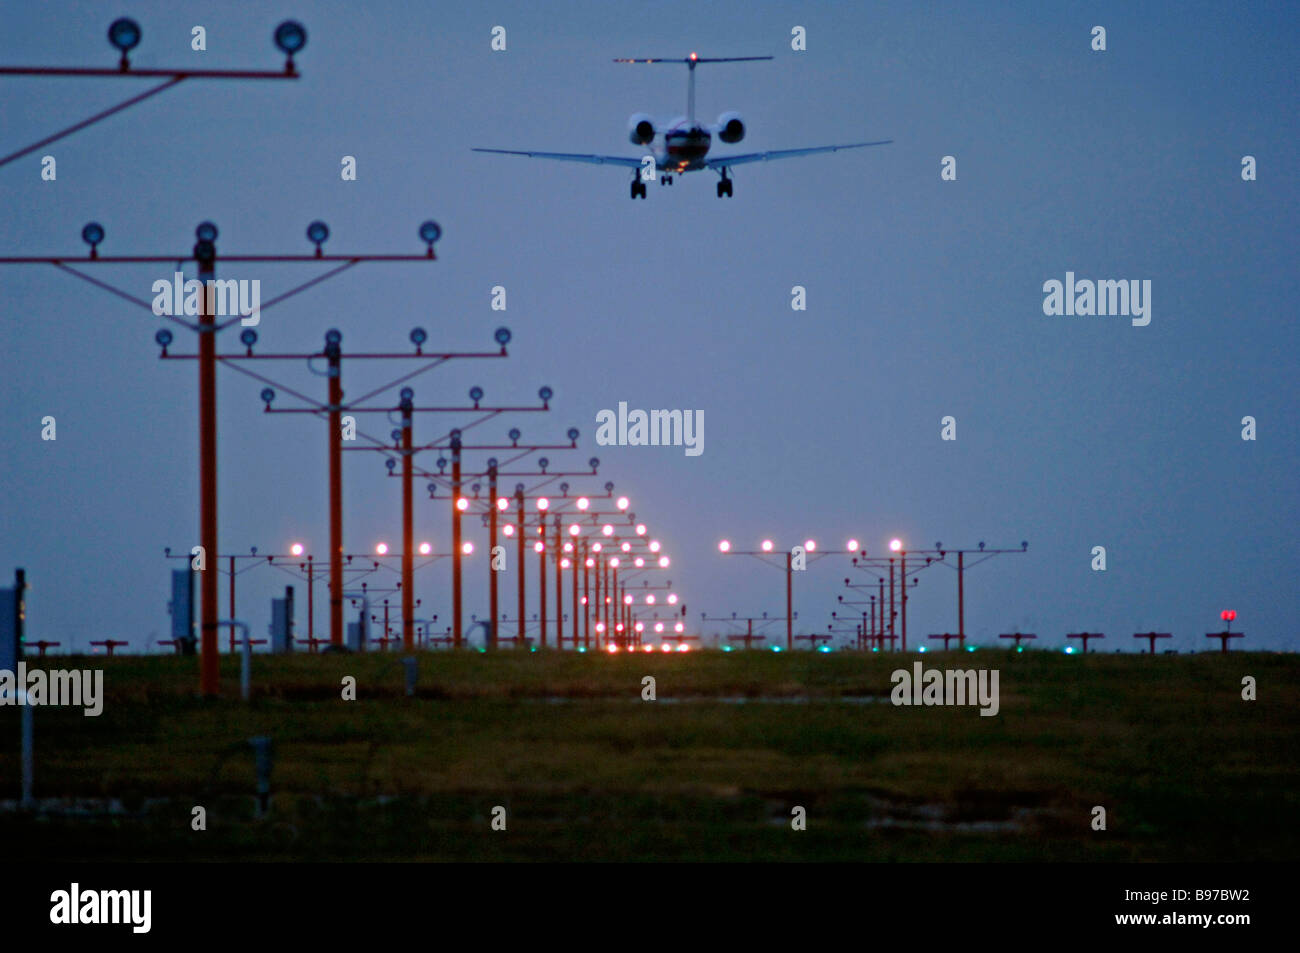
[[425, 549], [767, 546], [895, 545], [683, 647], [382, 549], [852, 546], [665, 647], [296, 549], [724, 546], [467, 548], [612, 649], [462, 504]]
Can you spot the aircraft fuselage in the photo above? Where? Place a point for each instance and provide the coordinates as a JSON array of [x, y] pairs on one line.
[[686, 144]]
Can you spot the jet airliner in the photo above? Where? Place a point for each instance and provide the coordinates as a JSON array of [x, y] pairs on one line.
[[682, 145]]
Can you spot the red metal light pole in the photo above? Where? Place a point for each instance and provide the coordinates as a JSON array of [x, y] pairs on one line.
[[456, 505], [574, 562], [493, 509], [559, 583], [408, 529], [540, 547], [1085, 636], [205, 252], [520, 531], [1018, 636], [1227, 615], [1151, 638], [789, 600], [616, 605], [335, 426], [311, 602], [586, 598]]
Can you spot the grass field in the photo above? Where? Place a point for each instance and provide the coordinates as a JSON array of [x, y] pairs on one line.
[[587, 770]]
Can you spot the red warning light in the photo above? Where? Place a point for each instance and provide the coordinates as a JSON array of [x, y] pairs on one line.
[[1228, 615]]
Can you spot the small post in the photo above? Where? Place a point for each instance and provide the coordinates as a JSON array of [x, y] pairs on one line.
[[411, 665], [262, 767], [29, 758]]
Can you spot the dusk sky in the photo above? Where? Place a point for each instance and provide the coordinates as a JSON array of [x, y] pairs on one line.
[[924, 297]]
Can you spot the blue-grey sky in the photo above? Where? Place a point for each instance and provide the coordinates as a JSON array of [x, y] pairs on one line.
[[924, 297]]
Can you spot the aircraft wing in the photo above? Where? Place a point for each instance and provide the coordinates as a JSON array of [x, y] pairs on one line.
[[721, 162], [628, 161]]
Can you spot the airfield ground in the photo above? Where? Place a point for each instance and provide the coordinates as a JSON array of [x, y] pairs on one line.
[[588, 770]]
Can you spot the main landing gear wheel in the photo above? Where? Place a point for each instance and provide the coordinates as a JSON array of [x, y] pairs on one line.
[[638, 188], [724, 188]]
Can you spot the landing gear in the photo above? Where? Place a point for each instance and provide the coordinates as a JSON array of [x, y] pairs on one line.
[[665, 180], [724, 185], [638, 188]]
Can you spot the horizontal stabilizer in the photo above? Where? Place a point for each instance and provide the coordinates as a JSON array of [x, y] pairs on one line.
[[690, 59]]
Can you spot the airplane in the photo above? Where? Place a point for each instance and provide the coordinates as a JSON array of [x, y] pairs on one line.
[[683, 146]]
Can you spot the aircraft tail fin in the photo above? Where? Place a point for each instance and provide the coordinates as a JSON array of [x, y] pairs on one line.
[[691, 61]]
